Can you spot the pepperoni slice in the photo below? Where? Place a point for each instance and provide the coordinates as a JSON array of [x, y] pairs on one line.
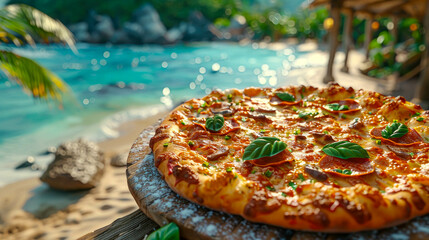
[[402, 152], [281, 157], [274, 100], [352, 104], [357, 166], [409, 139]]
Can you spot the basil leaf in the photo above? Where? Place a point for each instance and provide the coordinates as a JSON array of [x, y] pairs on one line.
[[345, 150], [215, 123], [306, 115], [394, 130], [292, 185], [337, 107], [333, 106], [263, 147], [168, 232], [343, 107], [286, 96]]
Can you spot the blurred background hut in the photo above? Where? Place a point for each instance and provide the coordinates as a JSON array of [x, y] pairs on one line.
[[397, 61]]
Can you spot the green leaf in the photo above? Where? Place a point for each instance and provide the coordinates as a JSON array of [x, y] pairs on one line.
[[263, 147], [286, 96], [168, 232], [345, 150], [394, 130], [34, 23], [37, 80], [268, 173], [337, 107], [215, 123], [21, 24], [304, 115], [28, 23], [292, 185]]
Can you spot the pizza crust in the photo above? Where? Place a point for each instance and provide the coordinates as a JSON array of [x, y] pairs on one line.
[[315, 206]]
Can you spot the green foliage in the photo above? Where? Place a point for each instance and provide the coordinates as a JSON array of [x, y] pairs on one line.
[[410, 39], [222, 22], [22, 24], [39, 81], [167, 232], [273, 22]]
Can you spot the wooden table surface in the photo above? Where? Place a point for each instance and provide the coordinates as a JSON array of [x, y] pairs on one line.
[[162, 205]]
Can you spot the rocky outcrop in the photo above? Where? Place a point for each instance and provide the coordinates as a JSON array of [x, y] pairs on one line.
[[146, 27], [119, 160], [104, 29], [78, 165], [200, 29], [237, 29], [134, 32], [80, 31], [148, 18]]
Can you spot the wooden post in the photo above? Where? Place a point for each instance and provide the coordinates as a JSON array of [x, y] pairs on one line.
[[423, 89], [394, 31], [368, 36], [333, 39], [348, 39]]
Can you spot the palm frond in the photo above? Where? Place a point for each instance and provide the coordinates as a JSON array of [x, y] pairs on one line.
[[25, 22], [37, 80]]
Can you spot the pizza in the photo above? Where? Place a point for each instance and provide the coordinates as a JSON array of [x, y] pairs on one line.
[[330, 159]]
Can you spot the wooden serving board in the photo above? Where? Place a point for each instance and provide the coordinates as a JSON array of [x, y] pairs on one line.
[[162, 205]]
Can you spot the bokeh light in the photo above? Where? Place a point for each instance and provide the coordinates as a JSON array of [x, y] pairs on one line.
[[328, 23]]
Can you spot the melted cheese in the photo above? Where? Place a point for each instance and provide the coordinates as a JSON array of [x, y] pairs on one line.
[[259, 117]]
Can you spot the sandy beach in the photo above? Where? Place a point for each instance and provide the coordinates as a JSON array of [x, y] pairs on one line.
[[30, 210]]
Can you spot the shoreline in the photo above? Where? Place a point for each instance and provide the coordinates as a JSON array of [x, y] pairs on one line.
[[103, 130], [27, 205]]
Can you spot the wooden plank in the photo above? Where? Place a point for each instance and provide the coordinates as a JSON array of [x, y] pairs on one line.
[[381, 6], [134, 226], [359, 5]]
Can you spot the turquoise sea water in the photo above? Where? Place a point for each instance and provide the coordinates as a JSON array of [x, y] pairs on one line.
[[115, 84]]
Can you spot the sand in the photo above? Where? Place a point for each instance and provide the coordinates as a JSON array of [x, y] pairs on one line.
[[30, 210]]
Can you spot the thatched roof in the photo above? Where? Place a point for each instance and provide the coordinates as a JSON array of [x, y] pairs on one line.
[[381, 8]]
